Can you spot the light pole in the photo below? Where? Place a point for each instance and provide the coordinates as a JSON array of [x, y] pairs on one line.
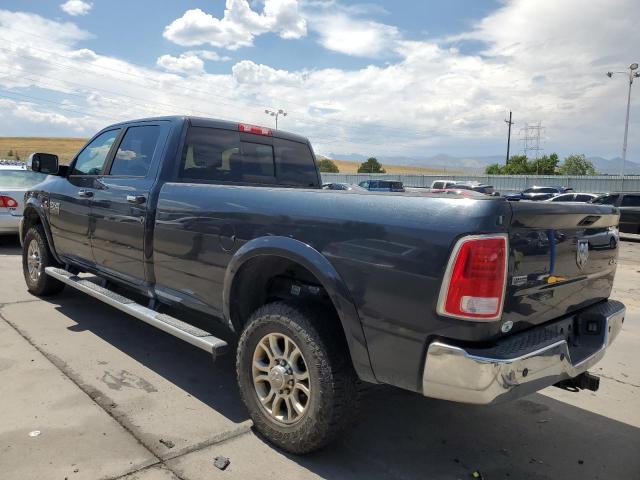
[[632, 74], [276, 113]]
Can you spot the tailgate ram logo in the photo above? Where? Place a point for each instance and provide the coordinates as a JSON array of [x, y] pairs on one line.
[[582, 253]]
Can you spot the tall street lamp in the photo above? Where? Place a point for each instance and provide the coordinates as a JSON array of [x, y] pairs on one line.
[[632, 74], [276, 113]]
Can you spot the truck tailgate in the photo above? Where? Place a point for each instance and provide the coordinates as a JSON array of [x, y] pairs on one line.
[[562, 258]]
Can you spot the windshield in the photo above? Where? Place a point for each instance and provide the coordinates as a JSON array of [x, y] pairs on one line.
[[19, 178]]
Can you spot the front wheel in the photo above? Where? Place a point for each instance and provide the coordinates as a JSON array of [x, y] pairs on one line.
[[295, 377], [36, 256]]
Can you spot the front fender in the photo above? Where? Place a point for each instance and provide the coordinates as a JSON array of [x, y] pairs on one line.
[[321, 268], [36, 204]]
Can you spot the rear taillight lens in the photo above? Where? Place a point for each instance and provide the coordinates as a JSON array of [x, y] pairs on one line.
[[8, 202], [473, 286]]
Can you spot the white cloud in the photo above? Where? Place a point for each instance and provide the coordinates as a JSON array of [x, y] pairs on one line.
[[76, 7], [186, 63], [210, 55], [362, 38], [238, 26]]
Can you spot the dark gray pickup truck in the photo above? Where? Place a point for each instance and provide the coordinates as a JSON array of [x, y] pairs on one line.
[[189, 224]]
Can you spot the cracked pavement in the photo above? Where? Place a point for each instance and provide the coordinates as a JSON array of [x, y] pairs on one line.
[[114, 398]]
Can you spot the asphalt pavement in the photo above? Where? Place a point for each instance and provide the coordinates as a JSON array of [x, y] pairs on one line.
[[87, 392]]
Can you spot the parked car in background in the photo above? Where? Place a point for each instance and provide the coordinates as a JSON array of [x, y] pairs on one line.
[[15, 180], [573, 197], [442, 184], [382, 185], [341, 186], [539, 193], [476, 187], [629, 205]]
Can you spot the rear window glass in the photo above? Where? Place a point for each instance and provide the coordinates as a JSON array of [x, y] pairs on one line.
[[256, 162], [630, 201], [294, 163], [212, 154]]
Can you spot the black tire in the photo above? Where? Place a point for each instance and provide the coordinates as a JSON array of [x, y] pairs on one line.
[[333, 393], [38, 282]]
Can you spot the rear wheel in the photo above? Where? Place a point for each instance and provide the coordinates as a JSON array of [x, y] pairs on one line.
[[36, 256], [295, 377]]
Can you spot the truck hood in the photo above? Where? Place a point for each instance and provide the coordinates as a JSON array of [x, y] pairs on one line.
[[563, 257]]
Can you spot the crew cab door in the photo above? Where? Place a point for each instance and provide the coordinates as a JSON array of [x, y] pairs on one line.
[[120, 204], [70, 206]]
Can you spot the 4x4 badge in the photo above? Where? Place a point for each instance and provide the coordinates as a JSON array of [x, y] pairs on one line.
[[582, 253]]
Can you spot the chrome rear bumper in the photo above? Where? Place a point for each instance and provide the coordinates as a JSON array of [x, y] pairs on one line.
[[525, 362]]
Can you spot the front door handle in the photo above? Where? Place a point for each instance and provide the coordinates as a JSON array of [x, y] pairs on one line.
[[137, 199], [85, 193]]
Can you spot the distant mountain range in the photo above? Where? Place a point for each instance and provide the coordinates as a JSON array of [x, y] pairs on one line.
[[478, 164]]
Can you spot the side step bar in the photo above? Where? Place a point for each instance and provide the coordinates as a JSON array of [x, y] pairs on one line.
[[182, 330]]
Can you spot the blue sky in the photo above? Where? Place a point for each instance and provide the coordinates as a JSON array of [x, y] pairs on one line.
[[387, 78]]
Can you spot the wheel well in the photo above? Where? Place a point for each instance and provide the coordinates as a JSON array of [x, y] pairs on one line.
[[31, 218], [265, 279]]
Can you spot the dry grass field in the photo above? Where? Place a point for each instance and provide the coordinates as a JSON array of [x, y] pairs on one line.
[[347, 166], [21, 147]]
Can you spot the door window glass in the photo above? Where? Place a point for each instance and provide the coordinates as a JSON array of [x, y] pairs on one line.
[[134, 155], [630, 201], [607, 200], [583, 198], [91, 160]]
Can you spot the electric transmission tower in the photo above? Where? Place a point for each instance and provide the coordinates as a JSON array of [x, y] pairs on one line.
[[530, 138]]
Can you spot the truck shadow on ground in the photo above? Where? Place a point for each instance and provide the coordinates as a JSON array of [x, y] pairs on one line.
[[398, 434]]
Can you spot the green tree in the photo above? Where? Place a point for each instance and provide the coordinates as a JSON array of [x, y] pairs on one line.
[[577, 164], [517, 165], [328, 166], [10, 153], [494, 169], [545, 165], [372, 165]]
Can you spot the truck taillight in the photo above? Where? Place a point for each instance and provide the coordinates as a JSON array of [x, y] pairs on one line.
[[8, 202], [474, 282], [255, 129]]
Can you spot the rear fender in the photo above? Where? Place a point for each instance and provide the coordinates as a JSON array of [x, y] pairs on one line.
[[321, 268]]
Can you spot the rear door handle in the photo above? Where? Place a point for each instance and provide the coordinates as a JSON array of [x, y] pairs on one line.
[[137, 199], [85, 193]]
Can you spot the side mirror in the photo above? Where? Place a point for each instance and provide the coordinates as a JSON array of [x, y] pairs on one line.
[[43, 163]]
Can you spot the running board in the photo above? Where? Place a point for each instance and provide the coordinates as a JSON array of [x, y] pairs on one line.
[[182, 330]]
